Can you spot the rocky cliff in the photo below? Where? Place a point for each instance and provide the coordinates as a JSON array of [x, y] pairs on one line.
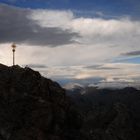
[[34, 108]]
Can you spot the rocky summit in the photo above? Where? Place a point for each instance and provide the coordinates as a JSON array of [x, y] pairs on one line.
[[34, 108]]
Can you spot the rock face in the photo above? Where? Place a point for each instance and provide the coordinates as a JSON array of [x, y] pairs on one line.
[[34, 108], [109, 114]]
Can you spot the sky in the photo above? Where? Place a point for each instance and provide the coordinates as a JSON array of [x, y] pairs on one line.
[[74, 41]]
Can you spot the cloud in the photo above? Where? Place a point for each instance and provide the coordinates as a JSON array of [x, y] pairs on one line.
[[125, 73], [132, 53], [15, 26], [35, 66], [100, 43], [101, 67], [66, 81]]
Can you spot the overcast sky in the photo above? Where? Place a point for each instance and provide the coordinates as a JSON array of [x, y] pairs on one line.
[[73, 40]]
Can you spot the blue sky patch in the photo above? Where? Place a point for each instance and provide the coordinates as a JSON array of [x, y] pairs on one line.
[[108, 7]]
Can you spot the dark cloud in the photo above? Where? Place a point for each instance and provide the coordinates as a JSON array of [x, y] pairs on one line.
[[93, 66], [133, 53], [100, 67], [108, 68], [16, 27], [35, 66]]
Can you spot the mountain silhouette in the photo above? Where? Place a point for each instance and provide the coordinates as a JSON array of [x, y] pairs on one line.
[[108, 114], [33, 107]]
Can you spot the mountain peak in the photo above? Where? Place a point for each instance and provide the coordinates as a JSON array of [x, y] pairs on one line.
[[27, 81], [33, 107]]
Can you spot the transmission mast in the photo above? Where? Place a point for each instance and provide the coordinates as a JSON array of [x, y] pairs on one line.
[[13, 50]]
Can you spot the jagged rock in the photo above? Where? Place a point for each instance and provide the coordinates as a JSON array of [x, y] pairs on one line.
[[33, 107]]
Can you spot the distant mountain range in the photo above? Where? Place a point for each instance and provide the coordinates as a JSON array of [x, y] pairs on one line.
[[108, 114], [103, 85]]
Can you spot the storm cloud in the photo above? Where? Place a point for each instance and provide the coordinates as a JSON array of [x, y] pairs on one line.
[[16, 26]]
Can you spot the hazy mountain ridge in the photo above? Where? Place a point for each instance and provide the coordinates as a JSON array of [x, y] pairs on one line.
[[108, 114], [113, 85]]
